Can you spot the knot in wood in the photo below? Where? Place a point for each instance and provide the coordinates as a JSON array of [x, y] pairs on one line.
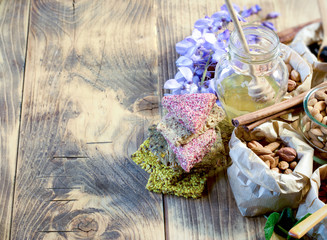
[[147, 106], [85, 226]]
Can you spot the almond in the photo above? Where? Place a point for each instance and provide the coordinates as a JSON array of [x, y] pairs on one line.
[[320, 95], [291, 85], [310, 109], [275, 162], [314, 111], [318, 117], [253, 144], [261, 150], [321, 105], [273, 146], [307, 126], [312, 136], [295, 75], [316, 131], [265, 157], [318, 144], [312, 102]]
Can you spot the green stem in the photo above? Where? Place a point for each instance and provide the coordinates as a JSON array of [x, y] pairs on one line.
[[282, 229], [205, 69], [279, 227]]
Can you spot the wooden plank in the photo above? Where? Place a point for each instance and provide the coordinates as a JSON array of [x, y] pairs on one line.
[[13, 36], [90, 94], [215, 216]]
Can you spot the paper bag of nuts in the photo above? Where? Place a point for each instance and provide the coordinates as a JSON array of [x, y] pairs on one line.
[[304, 38], [300, 72], [271, 168], [316, 199], [300, 76]]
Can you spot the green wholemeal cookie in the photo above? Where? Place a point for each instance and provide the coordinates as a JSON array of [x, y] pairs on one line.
[[164, 179], [150, 163], [191, 185]]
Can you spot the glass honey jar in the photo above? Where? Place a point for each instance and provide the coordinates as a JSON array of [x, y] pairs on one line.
[[236, 71]]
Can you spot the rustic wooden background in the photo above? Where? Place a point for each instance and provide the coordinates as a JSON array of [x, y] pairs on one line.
[[80, 83]]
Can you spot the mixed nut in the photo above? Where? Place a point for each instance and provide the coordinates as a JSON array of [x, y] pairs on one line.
[[276, 155], [315, 133], [294, 78], [323, 191]]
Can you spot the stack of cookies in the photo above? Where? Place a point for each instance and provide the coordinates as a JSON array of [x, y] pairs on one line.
[[185, 146], [189, 126]]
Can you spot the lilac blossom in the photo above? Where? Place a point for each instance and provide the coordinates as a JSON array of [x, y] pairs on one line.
[[252, 10], [202, 51], [272, 15], [268, 25]]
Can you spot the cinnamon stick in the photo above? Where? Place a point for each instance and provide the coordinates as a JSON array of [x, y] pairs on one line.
[[271, 110], [252, 125]]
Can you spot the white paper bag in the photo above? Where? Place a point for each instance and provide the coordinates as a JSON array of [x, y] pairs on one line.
[[312, 203], [301, 66], [304, 69], [256, 188], [305, 37]]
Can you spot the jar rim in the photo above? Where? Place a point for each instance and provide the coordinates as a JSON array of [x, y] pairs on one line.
[[264, 32], [305, 105]]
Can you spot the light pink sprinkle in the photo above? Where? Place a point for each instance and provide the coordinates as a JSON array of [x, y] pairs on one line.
[[191, 109], [194, 151]]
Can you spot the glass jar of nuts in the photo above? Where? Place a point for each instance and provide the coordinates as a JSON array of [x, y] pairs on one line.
[[313, 121]]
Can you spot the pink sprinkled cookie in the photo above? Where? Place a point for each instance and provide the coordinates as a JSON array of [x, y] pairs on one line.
[[191, 109], [194, 151]]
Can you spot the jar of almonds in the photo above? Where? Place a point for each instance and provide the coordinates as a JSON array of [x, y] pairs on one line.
[[313, 121]]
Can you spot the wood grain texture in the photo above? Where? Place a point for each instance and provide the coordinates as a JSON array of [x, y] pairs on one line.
[[87, 103], [214, 216], [13, 36], [94, 77]]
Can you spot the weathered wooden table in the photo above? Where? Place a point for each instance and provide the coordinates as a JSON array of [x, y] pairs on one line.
[[80, 83]]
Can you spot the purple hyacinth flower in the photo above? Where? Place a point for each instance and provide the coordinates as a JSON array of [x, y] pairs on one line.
[[272, 15], [256, 8], [247, 13], [268, 25], [185, 45], [252, 10], [203, 24], [187, 73], [183, 61], [172, 84], [220, 16]]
